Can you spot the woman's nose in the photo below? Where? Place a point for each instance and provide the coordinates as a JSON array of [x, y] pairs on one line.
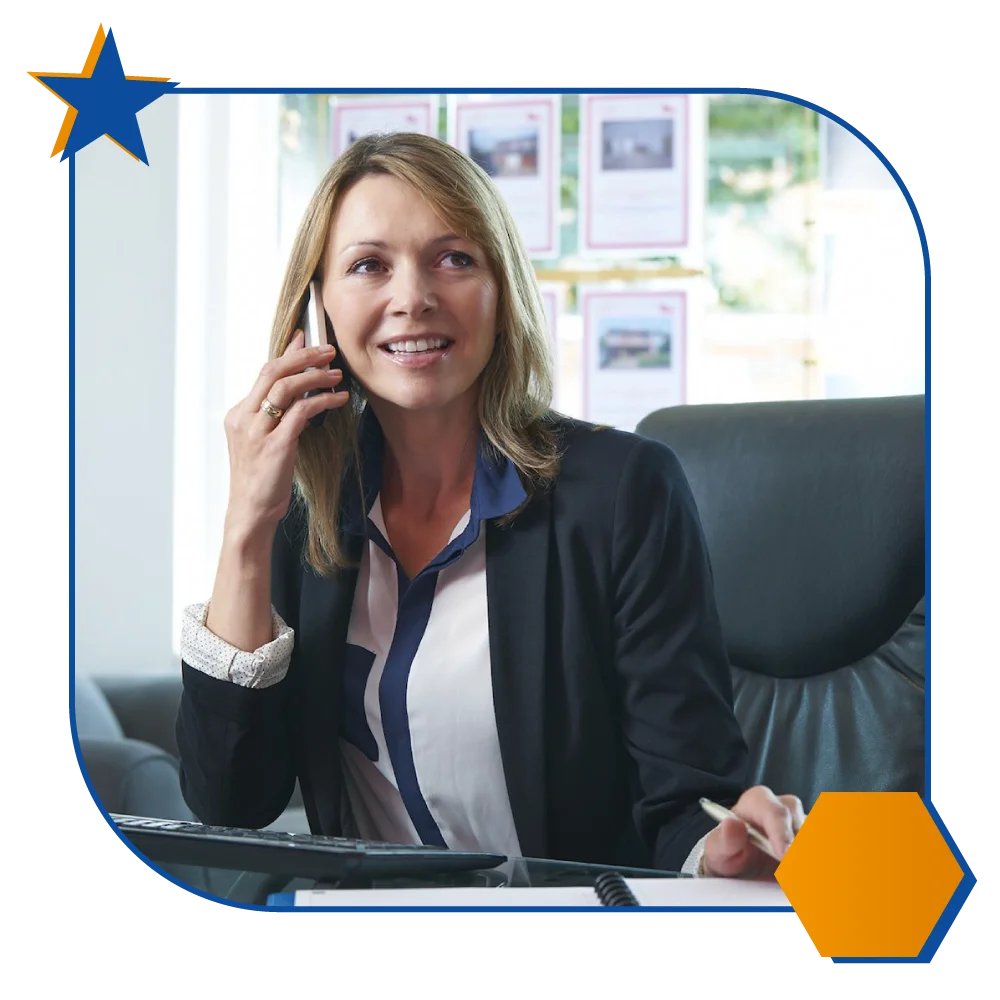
[[412, 291]]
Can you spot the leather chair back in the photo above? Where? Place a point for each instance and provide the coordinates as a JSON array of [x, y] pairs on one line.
[[814, 517]]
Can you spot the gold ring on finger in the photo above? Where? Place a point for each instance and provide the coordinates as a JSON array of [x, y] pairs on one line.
[[270, 409]]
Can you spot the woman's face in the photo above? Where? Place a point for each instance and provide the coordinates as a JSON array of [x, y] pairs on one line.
[[413, 306]]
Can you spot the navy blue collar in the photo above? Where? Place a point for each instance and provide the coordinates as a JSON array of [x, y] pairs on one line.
[[496, 486]]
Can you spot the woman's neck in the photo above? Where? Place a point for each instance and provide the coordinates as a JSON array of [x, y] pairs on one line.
[[430, 458]]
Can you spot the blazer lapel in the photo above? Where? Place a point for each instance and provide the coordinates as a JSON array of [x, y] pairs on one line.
[[324, 616], [516, 574]]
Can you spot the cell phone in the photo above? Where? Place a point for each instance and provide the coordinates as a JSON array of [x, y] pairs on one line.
[[314, 320], [314, 328]]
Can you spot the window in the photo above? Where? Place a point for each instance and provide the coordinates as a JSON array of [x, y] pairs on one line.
[[804, 276], [807, 281]]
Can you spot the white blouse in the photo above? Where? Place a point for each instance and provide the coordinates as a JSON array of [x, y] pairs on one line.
[[419, 747]]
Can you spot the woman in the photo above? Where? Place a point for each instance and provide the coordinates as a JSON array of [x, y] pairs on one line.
[[478, 624]]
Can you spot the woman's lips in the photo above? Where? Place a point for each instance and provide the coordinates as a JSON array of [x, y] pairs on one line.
[[417, 359]]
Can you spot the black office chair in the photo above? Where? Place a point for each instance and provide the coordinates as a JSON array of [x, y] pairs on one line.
[[814, 517]]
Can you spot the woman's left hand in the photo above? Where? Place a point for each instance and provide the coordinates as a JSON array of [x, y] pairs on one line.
[[730, 853]]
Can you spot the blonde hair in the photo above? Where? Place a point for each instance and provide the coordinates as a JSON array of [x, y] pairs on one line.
[[516, 386]]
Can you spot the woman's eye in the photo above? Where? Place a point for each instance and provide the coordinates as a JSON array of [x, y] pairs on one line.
[[455, 258], [369, 265]]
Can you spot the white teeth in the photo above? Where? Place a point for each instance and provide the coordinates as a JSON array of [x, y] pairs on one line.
[[416, 346]]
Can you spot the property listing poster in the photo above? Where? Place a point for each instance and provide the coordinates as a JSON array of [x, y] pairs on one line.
[[552, 297], [517, 142], [634, 354], [635, 183], [553, 294], [351, 117], [549, 299]]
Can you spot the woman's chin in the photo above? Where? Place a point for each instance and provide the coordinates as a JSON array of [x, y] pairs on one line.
[[417, 398], [422, 401]]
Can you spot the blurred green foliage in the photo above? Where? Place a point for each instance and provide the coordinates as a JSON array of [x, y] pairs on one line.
[[748, 133]]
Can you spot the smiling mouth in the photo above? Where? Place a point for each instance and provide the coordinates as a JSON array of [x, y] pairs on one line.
[[420, 345]]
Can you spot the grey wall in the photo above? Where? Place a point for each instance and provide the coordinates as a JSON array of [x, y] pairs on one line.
[[126, 248]]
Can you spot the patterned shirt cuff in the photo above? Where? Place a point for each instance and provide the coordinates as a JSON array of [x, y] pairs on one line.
[[205, 651], [693, 864]]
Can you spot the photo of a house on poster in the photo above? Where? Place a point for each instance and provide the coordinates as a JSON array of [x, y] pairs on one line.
[[517, 142], [634, 348], [634, 173], [352, 117]]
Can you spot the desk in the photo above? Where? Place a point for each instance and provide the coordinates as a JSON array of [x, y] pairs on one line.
[[561, 884], [253, 888]]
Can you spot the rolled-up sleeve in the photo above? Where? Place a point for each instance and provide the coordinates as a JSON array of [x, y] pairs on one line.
[[205, 651]]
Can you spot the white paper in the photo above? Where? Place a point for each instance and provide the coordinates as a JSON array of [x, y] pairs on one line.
[[552, 295], [554, 896], [634, 354], [553, 302], [648, 892], [635, 183], [354, 117], [516, 140], [706, 892], [569, 358], [550, 301]]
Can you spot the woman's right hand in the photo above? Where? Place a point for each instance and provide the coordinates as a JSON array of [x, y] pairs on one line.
[[262, 449]]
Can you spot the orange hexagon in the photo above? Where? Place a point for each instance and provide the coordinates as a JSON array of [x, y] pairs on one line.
[[869, 874]]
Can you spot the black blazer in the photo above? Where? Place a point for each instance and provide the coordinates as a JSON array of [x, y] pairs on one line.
[[611, 685]]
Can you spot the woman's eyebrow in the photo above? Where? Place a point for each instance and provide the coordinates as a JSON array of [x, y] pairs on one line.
[[382, 245], [378, 244]]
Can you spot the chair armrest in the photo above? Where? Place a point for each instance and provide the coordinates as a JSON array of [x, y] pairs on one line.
[[136, 778], [146, 707]]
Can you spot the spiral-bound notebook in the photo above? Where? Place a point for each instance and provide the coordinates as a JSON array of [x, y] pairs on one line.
[[649, 892], [612, 890]]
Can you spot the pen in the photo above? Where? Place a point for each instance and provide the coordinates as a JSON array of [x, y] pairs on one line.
[[719, 813]]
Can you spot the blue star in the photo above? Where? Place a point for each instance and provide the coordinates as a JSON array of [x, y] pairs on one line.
[[103, 100]]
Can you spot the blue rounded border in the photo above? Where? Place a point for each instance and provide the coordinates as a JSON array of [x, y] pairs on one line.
[[968, 880]]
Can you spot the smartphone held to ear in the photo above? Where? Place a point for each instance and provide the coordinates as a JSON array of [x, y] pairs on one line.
[[314, 319], [314, 328]]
